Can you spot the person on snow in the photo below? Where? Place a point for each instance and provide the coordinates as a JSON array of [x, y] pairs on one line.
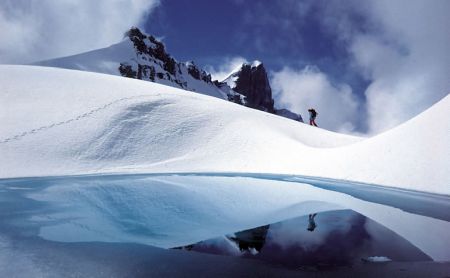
[[312, 116]]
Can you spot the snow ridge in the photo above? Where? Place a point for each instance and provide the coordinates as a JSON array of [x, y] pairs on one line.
[[152, 128]]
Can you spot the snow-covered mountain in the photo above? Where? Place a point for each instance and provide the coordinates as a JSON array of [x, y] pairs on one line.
[[64, 122], [251, 84], [250, 80], [143, 57]]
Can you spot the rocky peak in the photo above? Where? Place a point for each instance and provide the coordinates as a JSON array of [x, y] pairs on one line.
[[247, 85], [251, 81], [251, 87], [147, 48], [153, 63], [197, 73]]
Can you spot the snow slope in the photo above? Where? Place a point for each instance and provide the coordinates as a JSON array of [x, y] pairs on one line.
[[63, 122], [107, 60], [143, 57], [103, 60]]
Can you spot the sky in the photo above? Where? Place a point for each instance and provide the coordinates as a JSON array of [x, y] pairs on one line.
[[366, 66]]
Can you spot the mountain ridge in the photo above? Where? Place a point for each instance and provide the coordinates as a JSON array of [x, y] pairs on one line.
[[143, 57]]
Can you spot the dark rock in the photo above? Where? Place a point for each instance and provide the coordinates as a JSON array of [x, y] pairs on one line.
[[206, 77], [139, 72], [126, 70], [137, 38], [236, 98], [253, 83], [253, 238], [194, 71], [218, 84], [169, 65], [153, 48], [152, 72], [197, 73], [251, 88]]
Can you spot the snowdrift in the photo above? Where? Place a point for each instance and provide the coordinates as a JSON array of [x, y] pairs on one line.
[[65, 122]]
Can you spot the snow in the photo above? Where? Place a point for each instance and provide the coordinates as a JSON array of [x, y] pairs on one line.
[[256, 63], [378, 259], [59, 122], [104, 60], [65, 122], [107, 60], [232, 78]]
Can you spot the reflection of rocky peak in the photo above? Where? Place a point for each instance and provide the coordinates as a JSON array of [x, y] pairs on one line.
[[251, 239]]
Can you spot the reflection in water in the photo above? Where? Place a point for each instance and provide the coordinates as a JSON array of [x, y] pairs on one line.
[[251, 240], [343, 238], [312, 224]]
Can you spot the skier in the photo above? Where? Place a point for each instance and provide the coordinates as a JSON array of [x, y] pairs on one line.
[[312, 116], [312, 224]]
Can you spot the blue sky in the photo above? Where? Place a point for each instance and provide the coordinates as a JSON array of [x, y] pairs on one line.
[[338, 56], [275, 32], [366, 66], [279, 33]]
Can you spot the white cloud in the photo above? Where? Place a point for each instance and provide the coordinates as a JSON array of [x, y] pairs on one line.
[[408, 62], [36, 30], [401, 47], [310, 88], [403, 52], [229, 65]]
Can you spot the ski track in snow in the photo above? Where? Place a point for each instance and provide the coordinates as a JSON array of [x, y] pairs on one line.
[[82, 116]]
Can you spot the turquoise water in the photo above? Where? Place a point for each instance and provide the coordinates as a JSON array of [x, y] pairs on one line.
[[46, 225]]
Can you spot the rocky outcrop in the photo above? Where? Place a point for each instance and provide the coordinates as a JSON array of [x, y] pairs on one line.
[[197, 73], [251, 239], [251, 81], [248, 86], [153, 63], [149, 46]]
